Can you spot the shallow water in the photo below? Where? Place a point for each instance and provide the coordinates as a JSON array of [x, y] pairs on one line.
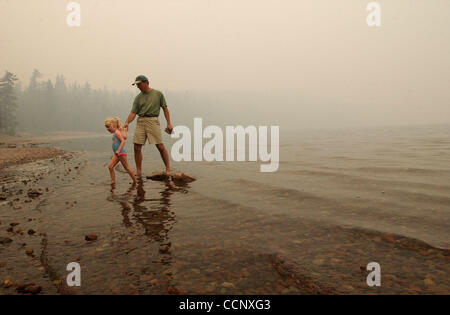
[[339, 200]]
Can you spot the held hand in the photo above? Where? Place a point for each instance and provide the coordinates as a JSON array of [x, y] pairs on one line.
[[125, 126], [117, 153], [169, 129]]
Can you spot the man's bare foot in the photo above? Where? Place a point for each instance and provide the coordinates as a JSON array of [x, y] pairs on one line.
[[168, 171]]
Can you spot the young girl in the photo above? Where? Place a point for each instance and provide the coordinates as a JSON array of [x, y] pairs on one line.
[[114, 126]]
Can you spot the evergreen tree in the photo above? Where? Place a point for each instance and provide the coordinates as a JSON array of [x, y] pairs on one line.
[[8, 103]]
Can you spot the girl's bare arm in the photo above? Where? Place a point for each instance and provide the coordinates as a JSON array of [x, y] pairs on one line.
[[121, 139]]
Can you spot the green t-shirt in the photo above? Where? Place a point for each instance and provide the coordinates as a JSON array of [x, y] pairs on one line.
[[149, 103]]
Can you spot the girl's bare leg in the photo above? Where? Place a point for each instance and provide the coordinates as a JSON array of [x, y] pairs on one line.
[[111, 166], [123, 160]]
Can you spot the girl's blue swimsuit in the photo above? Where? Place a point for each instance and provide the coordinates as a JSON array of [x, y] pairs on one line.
[[116, 145]]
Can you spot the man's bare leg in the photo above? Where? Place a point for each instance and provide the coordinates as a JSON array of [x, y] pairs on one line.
[[138, 158], [164, 155]]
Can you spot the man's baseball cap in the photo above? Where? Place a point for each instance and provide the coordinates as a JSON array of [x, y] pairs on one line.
[[139, 79]]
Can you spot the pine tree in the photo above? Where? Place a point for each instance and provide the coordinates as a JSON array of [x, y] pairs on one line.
[[8, 103]]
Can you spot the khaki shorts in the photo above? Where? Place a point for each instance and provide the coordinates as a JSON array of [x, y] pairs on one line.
[[147, 128]]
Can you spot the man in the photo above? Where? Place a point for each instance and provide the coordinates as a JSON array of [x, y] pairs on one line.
[[147, 105]]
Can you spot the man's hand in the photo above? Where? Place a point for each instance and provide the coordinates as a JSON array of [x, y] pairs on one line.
[[169, 129], [125, 126], [130, 118]]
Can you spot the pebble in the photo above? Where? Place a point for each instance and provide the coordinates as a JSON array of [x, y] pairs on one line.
[[164, 248], [348, 287], [173, 290], [90, 237], [5, 240], [29, 251], [33, 193], [153, 282], [7, 283], [30, 288], [428, 282]]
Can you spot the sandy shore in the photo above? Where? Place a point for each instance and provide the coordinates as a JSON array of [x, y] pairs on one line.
[[24, 148]]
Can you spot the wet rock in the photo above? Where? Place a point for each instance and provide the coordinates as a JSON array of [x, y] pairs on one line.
[[29, 288], [389, 237], [428, 282], [90, 237], [159, 176], [3, 196], [10, 229], [164, 248], [228, 285], [5, 240], [153, 282], [182, 177], [29, 251], [33, 193], [348, 288], [173, 290], [31, 231], [14, 224], [7, 283], [12, 146]]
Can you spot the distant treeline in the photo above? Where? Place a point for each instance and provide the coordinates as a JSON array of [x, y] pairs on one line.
[[52, 106], [44, 105]]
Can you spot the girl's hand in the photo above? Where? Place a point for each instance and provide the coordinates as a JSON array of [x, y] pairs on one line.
[[117, 152]]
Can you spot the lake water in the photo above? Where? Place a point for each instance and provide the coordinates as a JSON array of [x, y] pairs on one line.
[[339, 200]]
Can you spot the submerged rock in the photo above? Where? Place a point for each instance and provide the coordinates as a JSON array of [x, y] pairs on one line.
[[7, 283], [90, 237], [5, 240], [29, 288], [33, 193], [173, 290], [164, 248]]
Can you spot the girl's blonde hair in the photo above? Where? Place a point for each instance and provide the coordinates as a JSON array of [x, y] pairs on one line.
[[114, 121]]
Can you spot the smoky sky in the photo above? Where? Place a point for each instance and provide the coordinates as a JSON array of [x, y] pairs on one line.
[[317, 56]]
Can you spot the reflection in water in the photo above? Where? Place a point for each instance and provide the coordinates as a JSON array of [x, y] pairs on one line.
[[153, 214], [151, 217]]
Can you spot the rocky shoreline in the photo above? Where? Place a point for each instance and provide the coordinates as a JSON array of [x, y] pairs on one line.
[[26, 178], [25, 189]]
